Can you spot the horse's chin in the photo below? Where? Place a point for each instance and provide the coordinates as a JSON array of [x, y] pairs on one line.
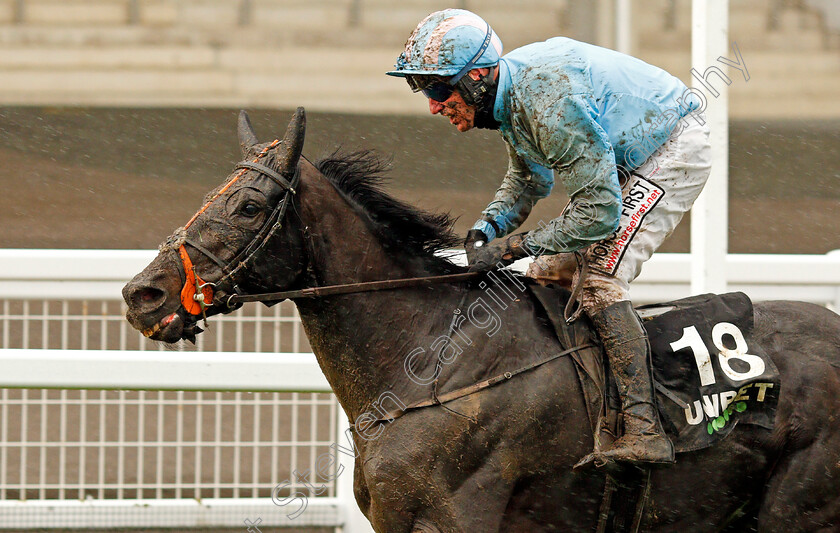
[[168, 329], [171, 328]]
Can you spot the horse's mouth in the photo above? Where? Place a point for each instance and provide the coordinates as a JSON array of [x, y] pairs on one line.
[[168, 327], [171, 328]]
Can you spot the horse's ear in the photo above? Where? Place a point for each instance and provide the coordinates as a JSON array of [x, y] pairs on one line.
[[293, 140], [247, 137]]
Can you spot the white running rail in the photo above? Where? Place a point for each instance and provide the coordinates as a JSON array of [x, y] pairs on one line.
[[107, 456], [100, 274], [101, 428]]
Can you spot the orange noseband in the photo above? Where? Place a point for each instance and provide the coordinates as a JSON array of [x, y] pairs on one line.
[[196, 293]]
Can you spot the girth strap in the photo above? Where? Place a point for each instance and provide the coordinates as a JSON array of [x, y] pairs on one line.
[[471, 389], [269, 173]]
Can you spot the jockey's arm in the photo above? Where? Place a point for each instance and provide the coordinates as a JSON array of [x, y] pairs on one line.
[[578, 148], [524, 184]]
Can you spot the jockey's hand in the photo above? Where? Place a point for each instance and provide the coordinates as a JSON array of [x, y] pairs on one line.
[[475, 240], [499, 253]]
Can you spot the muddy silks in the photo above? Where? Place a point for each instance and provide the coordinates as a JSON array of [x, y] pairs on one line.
[[197, 294]]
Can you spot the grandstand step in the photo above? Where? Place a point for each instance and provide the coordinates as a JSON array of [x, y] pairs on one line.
[[159, 13], [81, 35], [781, 41], [8, 12], [325, 55], [786, 87], [373, 61], [296, 15], [86, 98], [664, 41], [782, 64], [395, 101], [768, 107], [62, 12], [116, 80], [646, 20], [792, 63], [789, 40], [125, 57], [794, 20], [210, 13]]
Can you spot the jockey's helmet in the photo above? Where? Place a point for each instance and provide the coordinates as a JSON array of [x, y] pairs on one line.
[[448, 44]]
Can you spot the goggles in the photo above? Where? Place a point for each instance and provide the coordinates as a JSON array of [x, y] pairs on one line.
[[439, 91], [435, 87]]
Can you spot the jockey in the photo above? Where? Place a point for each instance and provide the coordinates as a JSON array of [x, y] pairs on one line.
[[627, 142]]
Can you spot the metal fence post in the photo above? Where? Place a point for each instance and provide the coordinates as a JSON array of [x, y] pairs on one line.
[[19, 11], [246, 13], [710, 216], [624, 26], [133, 12], [354, 14], [835, 254]]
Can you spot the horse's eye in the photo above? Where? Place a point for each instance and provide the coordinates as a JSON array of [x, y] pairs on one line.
[[250, 209]]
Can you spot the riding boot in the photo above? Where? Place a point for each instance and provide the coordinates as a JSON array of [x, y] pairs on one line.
[[628, 350]]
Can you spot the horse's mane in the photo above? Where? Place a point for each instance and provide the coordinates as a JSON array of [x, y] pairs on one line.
[[360, 177]]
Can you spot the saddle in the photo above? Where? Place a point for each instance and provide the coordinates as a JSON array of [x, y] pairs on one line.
[[709, 373]]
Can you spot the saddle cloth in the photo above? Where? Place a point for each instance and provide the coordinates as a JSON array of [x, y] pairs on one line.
[[710, 374]]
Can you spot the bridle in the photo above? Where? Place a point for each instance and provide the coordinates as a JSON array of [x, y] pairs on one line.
[[198, 294]]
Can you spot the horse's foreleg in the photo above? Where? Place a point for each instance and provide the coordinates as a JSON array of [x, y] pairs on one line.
[[466, 511], [478, 505]]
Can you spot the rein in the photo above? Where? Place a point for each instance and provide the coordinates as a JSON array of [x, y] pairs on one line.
[[197, 294], [350, 288]]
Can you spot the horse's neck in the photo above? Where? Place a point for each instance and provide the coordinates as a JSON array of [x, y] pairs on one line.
[[360, 339], [390, 349], [405, 344]]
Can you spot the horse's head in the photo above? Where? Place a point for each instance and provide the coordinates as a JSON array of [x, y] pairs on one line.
[[228, 245]]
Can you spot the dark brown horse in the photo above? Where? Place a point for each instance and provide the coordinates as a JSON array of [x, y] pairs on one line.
[[498, 460]]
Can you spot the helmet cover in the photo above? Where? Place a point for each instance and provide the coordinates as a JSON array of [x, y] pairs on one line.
[[447, 41]]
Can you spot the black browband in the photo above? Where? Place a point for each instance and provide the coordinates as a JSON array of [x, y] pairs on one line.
[[269, 173]]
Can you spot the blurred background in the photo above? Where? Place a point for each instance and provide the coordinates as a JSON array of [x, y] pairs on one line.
[[116, 116]]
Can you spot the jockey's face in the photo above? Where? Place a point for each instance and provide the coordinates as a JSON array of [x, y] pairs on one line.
[[460, 115]]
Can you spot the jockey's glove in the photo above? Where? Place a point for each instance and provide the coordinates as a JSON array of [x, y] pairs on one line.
[[475, 240], [498, 254]]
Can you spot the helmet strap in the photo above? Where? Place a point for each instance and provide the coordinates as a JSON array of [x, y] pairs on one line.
[[471, 63], [480, 93]]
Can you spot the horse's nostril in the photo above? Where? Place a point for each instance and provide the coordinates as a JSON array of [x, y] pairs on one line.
[[147, 297]]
